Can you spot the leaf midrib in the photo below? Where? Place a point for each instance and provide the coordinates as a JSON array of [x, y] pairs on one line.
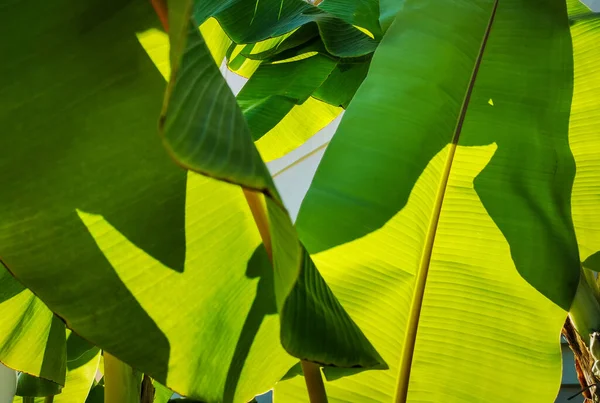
[[423, 269]]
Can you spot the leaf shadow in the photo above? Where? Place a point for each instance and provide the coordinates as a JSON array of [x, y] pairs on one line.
[[525, 188], [259, 267], [82, 135]]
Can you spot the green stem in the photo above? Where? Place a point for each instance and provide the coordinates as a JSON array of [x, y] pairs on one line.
[[49, 399], [121, 382], [27, 399], [314, 382]]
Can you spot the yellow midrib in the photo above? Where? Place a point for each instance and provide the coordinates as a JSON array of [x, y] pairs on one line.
[[423, 269]]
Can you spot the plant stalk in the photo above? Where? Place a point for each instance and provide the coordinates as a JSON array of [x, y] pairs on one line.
[[255, 200], [49, 399], [584, 319], [27, 399], [121, 382], [312, 372], [314, 382], [148, 390]]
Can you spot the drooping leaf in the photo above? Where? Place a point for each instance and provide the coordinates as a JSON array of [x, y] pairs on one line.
[[449, 238], [82, 365], [274, 89], [210, 136], [249, 21], [32, 339], [342, 83], [110, 236]]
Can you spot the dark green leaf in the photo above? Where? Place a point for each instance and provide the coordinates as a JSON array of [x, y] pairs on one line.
[[31, 386], [247, 21], [363, 13], [201, 137], [342, 83], [274, 89]]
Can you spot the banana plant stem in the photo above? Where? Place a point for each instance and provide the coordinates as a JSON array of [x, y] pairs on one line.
[[148, 390], [312, 373], [49, 399], [314, 382]]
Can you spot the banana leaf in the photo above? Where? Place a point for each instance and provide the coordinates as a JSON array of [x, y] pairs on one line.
[[441, 212]]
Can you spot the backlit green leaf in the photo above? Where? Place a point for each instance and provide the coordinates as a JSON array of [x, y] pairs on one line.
[[441, 219], [32, 339], [111, 237], [210, 137]]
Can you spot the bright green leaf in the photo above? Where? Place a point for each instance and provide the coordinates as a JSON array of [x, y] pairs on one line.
[[32, 339], [295, 128], [162, 394], [111, 236], [210, 137], [274, 89], [448, 238]]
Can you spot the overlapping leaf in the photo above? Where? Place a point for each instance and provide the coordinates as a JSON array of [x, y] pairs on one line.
[[249, 21], [99, 222], [275, 89], [32, 339], [449, 238], [82, 365], [209, 136]]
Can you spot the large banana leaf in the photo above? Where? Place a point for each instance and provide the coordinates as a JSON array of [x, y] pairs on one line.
[[103, 227], [440, 213], [299, 124], [210, 136]]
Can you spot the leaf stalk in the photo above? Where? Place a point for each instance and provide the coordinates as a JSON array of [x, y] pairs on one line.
[[312, 372]]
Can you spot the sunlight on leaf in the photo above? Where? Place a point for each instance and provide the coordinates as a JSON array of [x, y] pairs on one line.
[[478, 292]]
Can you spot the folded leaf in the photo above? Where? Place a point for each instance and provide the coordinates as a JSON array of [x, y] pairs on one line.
[[302, 122], [210, 136], [274, 89]]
